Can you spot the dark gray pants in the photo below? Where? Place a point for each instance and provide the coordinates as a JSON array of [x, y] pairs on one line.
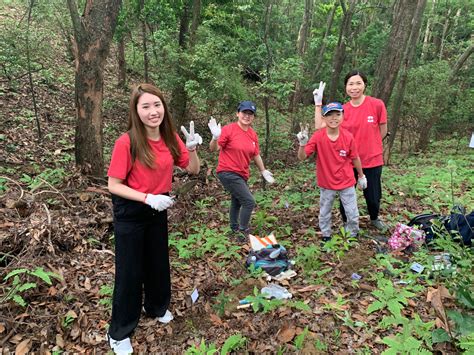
[[242, 202]]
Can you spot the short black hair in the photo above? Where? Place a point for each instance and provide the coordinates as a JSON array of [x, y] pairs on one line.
[[353, 73]]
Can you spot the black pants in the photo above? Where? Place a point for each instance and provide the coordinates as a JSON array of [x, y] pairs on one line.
[[141, 265], [372, 194]]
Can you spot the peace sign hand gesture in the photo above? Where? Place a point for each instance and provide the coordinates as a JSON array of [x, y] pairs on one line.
[[303, 134], [192, 139]]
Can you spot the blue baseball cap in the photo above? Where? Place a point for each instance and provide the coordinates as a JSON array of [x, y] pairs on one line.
[[332, 106], [247, 105]]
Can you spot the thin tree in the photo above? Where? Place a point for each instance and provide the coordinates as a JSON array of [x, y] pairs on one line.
[[186, 41], [340, 54], [93, 32], [301, 46], [30, 77], [408, 57], [391, 57]]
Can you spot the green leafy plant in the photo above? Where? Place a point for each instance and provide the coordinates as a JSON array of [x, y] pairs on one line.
[[233, 343], [339, 244], [221, 302], [309, 260], [202, 349], [389, 297], [22, 283], [106, 292], [68, 319], [415, 327], [53, 177], [262, 222], [300, 338]]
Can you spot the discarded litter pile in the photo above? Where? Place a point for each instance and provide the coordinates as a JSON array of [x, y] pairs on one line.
[[272, 258]]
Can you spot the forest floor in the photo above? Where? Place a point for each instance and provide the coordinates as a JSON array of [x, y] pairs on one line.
[[55, 220]]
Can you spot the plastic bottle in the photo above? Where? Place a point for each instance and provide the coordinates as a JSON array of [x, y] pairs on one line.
[[276, 291]]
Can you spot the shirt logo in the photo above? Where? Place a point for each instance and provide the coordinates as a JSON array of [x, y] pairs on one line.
[[342, 153], [370, 119]]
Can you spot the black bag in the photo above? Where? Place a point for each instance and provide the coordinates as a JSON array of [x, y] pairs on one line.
[[463, 224], [425, 223], [457, 222], [273, 259]]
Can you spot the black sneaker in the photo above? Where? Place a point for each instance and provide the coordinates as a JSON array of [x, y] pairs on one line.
[[241, 236], [326, 239]]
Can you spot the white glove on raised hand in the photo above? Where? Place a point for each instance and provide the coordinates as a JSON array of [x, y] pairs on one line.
[[362, 182], [303, 135], [268, 176], [215, 128], [318, 94], [192, 139], [159, 202]]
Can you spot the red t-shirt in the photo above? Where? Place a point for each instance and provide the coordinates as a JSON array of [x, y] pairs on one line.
[[333, 159], [237, 148], [140, 177], [363, 122]]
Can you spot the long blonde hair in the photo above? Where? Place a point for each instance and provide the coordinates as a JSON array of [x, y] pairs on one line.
[[140, 149]]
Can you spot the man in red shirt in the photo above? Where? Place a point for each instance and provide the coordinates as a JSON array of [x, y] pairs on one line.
[[238, 144], [336, 154]]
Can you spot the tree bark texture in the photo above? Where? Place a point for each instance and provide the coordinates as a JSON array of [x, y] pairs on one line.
[[93, 33], [391, 57], [340, 54], [122, 65], [408, 56], [301, 45], [186, 40]]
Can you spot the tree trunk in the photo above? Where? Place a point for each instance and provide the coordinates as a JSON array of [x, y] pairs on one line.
[[391, 57], [427, 36], [179, 99], [408, 56], [93, 32], [322, 49], [30, 77], [301, 45], [268, 12], [443, 35], [144, 41], [122, 65], [340, 54]]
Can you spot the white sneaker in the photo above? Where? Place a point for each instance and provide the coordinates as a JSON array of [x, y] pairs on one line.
[[120, 347], [168, 317]]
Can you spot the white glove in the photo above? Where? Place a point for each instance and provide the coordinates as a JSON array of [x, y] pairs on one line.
[[362, 182], [192, 139], [268, 176], [303, 135], [159, 202], [318, 93], [215, 128]]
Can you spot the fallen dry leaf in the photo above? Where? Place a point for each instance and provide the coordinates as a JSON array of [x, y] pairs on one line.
[[287, 333], [23, 347]]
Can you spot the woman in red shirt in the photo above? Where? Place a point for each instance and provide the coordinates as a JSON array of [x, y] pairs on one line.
[[238, 144], [140, 176], [365, 117]]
